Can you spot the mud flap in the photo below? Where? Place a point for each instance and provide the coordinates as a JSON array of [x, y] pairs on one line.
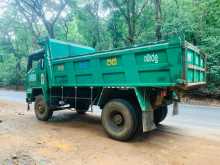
[[28, 106], [147, 111], [176, 100], [148, 121], [175, 108]]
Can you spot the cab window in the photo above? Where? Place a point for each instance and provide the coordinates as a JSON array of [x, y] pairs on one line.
[[36, 60]]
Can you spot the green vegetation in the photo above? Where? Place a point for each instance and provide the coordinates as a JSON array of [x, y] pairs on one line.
[[106, 24]]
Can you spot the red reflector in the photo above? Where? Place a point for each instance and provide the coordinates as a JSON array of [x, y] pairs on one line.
[[163, 93]]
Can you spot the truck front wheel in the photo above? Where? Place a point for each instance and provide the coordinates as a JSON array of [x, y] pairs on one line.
[[119, 119], [41, 109], [160, 114]]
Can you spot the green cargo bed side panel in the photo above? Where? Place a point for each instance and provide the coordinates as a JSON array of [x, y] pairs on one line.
[[159, 64], [148, 65]]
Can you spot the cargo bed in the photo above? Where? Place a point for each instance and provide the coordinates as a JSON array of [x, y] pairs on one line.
[[162, 64]]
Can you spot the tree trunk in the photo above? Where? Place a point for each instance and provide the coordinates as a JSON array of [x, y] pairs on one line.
[[131, 21], [17, 74], [49, 27], [158, 18]]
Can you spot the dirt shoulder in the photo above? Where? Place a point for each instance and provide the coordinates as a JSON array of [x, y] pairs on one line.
[[70, 138]]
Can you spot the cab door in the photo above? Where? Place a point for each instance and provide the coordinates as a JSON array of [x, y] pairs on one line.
[[35, 77]]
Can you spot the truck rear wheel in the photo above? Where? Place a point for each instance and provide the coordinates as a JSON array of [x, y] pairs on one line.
[[160, 114], [119, 119], [41, 109]]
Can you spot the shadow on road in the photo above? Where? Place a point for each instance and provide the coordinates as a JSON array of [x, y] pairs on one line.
[[75, 117], [92, 123]]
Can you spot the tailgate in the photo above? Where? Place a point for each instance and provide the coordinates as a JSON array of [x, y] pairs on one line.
[[195, 66]]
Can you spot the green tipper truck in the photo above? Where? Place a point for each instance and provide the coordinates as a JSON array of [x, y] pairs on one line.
[[133, 86]]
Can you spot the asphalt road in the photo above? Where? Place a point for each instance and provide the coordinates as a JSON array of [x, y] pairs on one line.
[[11, 95], [193, 120]]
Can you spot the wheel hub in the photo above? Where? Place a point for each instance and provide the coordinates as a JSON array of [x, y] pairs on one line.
[[118, 119], [41, 108]]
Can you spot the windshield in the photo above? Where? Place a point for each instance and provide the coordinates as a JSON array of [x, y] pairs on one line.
[[34, 59]]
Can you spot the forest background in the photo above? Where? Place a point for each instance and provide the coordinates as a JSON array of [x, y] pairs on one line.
[[106, 24]]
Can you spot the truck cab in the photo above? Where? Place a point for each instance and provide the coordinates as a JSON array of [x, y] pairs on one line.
[[36, 75]]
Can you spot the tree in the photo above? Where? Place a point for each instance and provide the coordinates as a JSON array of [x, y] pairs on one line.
[[158, 18], [15, 44], [48, 12], [115, 28], [90, 24], [131, 10]]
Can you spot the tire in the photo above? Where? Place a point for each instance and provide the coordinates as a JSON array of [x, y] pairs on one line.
[[119, 119], [41, 109], [160, 114]]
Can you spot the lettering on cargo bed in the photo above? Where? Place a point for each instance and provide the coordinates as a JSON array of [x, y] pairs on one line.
[[111, 61], [151, 58]]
